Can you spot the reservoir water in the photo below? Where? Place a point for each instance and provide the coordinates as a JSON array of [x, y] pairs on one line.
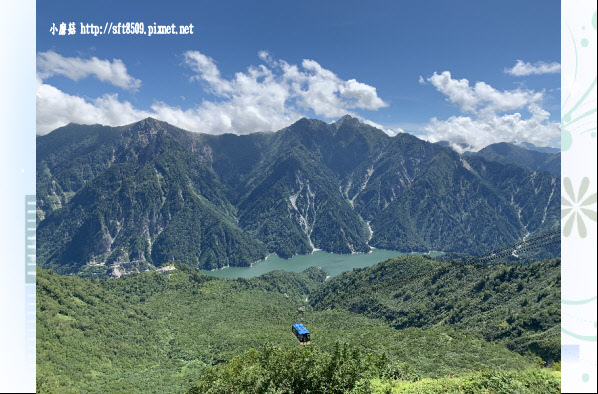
[[332, 263]]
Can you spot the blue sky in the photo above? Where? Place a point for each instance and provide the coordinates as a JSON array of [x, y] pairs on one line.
[[354, 47]]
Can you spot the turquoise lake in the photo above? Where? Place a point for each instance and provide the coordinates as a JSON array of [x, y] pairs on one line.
[[332, 263]]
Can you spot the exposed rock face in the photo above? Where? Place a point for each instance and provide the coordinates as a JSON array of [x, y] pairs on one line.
[[165, 270]]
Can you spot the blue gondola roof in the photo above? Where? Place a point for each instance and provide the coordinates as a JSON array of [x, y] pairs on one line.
[[300, 329]]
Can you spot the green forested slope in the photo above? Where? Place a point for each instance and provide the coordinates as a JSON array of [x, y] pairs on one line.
[[155, 203], [347, 369], [152, 332], [517, 305], [295, 196]]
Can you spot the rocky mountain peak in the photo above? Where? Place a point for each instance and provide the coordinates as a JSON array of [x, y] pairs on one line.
[[347, 119]]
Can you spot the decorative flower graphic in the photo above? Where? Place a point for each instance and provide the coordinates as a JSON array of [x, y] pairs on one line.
[[579, 117], [576, 207]]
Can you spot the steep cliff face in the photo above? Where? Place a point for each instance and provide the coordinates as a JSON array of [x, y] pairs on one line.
[[137, 196]]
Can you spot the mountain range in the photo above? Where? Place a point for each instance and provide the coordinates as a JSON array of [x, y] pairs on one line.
[[113, 200], [535, 160]]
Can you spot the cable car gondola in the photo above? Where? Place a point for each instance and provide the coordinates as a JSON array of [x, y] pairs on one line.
[[301, 333]]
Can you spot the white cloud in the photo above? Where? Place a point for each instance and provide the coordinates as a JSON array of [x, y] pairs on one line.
[[323, 92], [206, 70], [391, 131], [265, 56], [421, 80], [283, 85], [483, 131], [522, 68], [261, 98], [114, 72], [470, 98], [54, 108], [484, 125]]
